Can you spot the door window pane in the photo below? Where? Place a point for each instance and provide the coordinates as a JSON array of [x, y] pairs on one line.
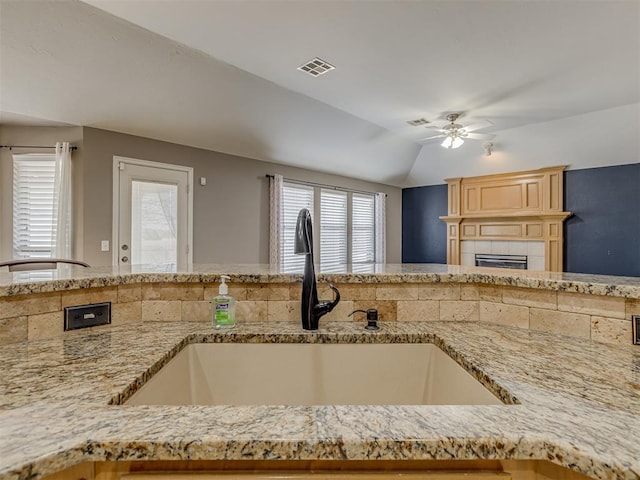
[[154, 215]]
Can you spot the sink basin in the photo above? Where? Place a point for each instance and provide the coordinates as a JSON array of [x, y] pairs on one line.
[[312, 374]]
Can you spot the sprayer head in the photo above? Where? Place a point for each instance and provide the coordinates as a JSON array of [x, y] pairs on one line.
[[304, 235]]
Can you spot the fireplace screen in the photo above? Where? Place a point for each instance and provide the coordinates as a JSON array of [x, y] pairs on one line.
[[518, 262]]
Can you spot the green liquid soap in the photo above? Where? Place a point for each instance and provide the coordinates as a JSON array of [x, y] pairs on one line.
[[224, 307]]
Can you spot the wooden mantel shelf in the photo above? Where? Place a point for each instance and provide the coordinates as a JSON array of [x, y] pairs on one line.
[[521, 206], [512, 216]]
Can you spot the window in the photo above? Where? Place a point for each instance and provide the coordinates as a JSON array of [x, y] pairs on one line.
[[34, 222], [333, 228], [364, 228], [344, 224], [294, 199]]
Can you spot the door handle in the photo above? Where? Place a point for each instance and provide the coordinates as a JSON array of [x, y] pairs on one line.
[[125, 247], [125, 259]]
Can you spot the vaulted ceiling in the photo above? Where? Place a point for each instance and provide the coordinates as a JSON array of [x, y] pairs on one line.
[[558, 80]]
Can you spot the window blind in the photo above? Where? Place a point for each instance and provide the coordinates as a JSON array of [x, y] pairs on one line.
[[294, 198], [344, 226], [34, 222], [363, 229], [333, 227]]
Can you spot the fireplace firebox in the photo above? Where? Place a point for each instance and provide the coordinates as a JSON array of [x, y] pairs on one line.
[[517, 262]]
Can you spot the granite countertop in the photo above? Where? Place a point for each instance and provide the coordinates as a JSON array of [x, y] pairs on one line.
[[573, 402], [68, 277]]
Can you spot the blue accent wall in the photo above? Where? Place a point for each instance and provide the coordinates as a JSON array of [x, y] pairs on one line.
[[602, 237], [424, 235]]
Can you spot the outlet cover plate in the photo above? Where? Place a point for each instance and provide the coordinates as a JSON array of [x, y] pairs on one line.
[[635, 328], [83, 316]]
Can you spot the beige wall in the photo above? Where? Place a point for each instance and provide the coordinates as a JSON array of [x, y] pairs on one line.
[[40, 136], [231, 213]]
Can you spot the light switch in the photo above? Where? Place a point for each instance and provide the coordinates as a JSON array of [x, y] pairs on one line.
[[203, 181], [104, 246]]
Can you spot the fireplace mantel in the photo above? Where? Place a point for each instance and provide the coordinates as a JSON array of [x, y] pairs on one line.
[[520, 206]]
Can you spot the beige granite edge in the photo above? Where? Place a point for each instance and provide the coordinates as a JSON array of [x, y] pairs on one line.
[[617, 289]]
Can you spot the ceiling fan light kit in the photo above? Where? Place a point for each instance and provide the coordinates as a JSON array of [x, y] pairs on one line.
[[452, 142], [455, 134]]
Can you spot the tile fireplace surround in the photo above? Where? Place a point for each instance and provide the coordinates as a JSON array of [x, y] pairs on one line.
[[533, 250]]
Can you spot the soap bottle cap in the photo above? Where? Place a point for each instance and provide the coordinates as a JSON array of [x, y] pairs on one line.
[[224, 288]]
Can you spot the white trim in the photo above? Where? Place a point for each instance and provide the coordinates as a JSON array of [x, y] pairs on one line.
[[115, 196], [116, 201]]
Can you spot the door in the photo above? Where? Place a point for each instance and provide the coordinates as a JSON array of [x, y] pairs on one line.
[[152, 207]]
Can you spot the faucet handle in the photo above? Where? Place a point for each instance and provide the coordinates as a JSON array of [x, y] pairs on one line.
[[372, 318], [323, 308], [337, 297]]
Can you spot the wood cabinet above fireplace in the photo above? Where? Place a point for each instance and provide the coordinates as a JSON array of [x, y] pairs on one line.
[[512, 206]]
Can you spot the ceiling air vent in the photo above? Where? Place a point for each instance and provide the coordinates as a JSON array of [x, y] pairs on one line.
[[316, 67], [417, 122]]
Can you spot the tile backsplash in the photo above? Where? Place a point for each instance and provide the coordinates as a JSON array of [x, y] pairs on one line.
[[601, 318]]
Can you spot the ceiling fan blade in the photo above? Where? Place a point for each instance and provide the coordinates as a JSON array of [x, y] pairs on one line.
[[477, 126], [479, 136], [441, 135]]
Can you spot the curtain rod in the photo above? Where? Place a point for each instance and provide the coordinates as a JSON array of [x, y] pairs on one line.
[[11, 147], [322, 185]]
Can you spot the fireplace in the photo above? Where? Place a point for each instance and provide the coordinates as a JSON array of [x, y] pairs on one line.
[[516, 262], [521, 209]]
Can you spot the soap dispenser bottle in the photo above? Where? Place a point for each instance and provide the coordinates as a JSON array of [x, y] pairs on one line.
[[224, 307]]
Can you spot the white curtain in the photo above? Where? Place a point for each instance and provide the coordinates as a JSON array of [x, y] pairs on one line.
[[381, 227], [275, 218], [62, 201]]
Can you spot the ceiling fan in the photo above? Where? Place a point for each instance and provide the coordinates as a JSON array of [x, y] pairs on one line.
[[455, 134]]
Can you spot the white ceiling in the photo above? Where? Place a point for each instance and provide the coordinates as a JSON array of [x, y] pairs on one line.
[[222, 75]]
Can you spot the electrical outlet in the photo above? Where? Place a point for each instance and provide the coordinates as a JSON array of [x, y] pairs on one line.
[[83, 316], [635, 328]]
